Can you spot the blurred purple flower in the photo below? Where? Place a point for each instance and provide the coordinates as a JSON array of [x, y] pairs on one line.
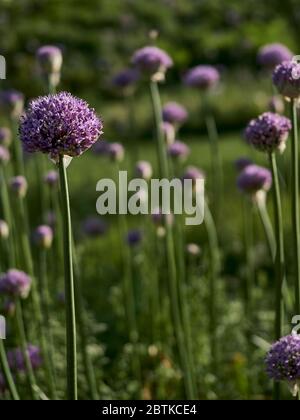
[[241, 163], [43, 236], [12, 103], [4, 155], [19, 186], [203, 77], [5, 136], [9, 307], [152, 61], [271, 55], [134, 237], [174, 113], [286, 78], [178, 150], [143, 169], [16, 359], [51, 178], [94, 226], [126, 78], [15, 283], [101, 148], [116, 152], [254, 178], [50, 59], [59, 125], [268, 132]]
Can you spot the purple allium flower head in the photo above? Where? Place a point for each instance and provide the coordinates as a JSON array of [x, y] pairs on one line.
[[126, 78], [16, 358], [59, 125], [203, 77], [116, 152], [43, 236], [19, 186], [152, 61], [268, 132], [12, 103], [4, 155], [271, 55], [94, 226], [169, 132], [101, 148], [254, 178], [5, 136], [283, 360], [174, 113], [50, 59], [51, 178], [4, 230], [178, 150], [241, 163], [134, 237], [15, 283], [286, 78], [143, 169], [276, 104], [193, 173]]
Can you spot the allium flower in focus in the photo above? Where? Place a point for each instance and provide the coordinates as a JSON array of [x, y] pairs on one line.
[[12, 103], [271, 55], [168, 132], [269, 132], [254, 178], [51, 178], [94, 226], [143, 169], [178, 150], [152, 61], [203, 77], [59, 125], [126, 79], [4, 155], [134, 237], [116, 152], [15, 283], [16, 358], [43, 236], [276, 104], [174, 113], [283, 361], [19, 186], [241, 163], [286, 78], [4, 230], [5, 136], [50, 61]]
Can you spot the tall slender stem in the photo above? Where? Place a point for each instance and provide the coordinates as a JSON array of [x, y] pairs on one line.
[[69, 286], [7, 373], [295, 202], [170, 248], [267, 226], [279, 259]]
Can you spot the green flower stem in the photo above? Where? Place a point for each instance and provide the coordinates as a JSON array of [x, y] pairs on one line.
[[267, 226], [250, 274], [24, 346], [18, 158], [7, 373], [7, 213], [81, 320], [295, 202], [213, 273], [57, 251], [46, 325], [170, 248], [280, 258], [69, 286]]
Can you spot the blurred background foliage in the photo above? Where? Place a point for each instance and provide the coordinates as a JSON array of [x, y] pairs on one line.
[[98, 38]]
